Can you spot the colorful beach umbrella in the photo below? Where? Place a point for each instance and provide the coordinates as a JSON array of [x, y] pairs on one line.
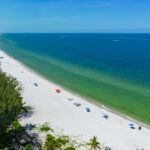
[[58, 90], [131, 124]]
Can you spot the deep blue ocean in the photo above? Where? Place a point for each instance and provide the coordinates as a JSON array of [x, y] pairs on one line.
[[112, 69]]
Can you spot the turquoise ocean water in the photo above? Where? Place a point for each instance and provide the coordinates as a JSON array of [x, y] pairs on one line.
[[112, 69]]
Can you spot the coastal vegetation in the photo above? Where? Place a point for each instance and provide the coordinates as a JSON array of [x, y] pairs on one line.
[[12, 134], [10, 100], [11, 105], [45, 128], [6, 136]]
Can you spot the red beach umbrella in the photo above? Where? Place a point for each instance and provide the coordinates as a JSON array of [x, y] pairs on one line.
[[58, 90]]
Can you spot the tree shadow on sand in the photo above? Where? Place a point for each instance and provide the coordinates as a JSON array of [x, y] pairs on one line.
[[26, 114], [29, 136]]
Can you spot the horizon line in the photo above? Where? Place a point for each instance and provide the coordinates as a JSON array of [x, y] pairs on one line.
[[74, 32]]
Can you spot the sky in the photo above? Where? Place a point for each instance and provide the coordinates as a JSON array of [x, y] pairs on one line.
[[75, 16]]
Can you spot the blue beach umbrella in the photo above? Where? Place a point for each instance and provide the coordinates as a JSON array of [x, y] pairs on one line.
[[87, 109], [131, 124]]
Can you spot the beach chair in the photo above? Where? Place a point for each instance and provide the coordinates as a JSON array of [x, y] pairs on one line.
[[70, 99], [35, 84], [132, 127], [105, 116], [77, 104]]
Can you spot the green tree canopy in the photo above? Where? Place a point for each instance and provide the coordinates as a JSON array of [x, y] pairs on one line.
[[10, 100]]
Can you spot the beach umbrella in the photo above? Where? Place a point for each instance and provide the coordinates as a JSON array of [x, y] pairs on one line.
[[87, 109], [131, 124], [58, 90]]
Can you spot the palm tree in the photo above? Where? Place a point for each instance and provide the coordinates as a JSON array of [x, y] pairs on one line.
[[94, 144]]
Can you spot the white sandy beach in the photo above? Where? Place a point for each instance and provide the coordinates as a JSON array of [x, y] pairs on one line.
[[55, 108]]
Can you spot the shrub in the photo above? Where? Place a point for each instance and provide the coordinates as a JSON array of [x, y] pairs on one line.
[[45, 128], [53, 143], [9, 134], [50, 143], [29, 147]]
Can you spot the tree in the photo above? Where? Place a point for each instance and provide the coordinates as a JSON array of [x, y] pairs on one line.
[[10, 101], [94, 144]]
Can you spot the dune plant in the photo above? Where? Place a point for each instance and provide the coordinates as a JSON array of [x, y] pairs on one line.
[[45, 128]]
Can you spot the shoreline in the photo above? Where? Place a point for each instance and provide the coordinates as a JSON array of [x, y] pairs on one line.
[[87, 101]]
